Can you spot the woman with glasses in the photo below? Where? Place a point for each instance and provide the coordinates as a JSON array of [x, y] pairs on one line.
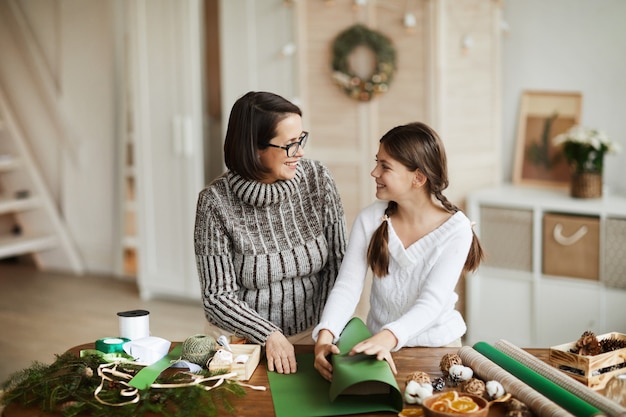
[[270, 232], [416, 242]]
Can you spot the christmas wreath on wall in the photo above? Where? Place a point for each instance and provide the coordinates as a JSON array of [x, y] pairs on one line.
[[344, 76]]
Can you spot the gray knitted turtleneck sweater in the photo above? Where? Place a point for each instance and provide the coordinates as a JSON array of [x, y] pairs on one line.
[[268, 254]]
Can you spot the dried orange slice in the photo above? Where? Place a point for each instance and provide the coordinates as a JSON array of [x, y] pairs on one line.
[[411, 412], [465, 398], [463, 406], [450, 395], [441, 405]]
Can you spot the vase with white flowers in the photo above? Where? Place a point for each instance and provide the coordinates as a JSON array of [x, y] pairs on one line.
[[584, 149]]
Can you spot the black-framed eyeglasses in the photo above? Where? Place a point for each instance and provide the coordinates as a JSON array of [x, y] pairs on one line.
[[293, 148]]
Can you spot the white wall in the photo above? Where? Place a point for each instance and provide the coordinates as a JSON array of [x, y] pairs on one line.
[[251, 51], [568, 45]]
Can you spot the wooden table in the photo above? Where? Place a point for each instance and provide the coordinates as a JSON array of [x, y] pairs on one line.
[[259, 403]]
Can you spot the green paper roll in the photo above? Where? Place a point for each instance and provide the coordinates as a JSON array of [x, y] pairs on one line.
[[549, 389], [111, 344]]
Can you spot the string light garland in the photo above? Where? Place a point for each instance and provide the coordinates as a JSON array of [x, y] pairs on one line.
[[385, 66]]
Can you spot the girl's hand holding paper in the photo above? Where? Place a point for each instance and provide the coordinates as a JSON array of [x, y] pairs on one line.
[[323, 349], [379, 345]]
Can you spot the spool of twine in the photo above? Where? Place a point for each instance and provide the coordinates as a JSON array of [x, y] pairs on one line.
[[199, 349]]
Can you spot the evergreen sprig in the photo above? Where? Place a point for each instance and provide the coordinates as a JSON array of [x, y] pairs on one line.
[[67, 386]]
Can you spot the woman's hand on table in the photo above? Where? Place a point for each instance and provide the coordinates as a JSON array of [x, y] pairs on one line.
[[280, 354], [379, 345], [324, 347]]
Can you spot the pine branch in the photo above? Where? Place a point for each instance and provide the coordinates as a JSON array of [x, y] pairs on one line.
[[67, 386]]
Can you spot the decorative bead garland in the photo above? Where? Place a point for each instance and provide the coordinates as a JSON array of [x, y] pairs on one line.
[[350, 83]]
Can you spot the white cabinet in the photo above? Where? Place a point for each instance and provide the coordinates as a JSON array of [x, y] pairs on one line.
[[165, 39], [498, 307], [566, 308], [512, 297]]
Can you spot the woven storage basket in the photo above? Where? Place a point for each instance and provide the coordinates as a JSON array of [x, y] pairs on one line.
[[586, 185], [506, 235], [571, 246], [614, 272]]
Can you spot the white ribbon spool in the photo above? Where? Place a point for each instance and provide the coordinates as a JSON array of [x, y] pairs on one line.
[[134, 324]]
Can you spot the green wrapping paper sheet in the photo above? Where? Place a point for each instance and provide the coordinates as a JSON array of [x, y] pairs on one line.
[[539, 383], [306, 393]]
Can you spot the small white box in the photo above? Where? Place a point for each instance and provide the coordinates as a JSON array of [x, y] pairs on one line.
[[244, 370]]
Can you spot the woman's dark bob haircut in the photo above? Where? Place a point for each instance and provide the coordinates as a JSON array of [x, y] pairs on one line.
[[251, 125]]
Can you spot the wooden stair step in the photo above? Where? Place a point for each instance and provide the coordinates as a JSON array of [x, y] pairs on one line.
[[14, 205], [8, 163], [23, 244]]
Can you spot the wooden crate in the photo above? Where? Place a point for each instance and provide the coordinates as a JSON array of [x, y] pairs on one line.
[[587, 369], [244, 370]]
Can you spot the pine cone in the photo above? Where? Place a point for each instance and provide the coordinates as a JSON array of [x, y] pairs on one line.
[[610, 344], [515, 405], [588, 344], [439, 384], [519, 413]]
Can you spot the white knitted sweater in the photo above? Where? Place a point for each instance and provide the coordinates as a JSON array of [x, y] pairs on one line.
[[268, 254], [416, 301]]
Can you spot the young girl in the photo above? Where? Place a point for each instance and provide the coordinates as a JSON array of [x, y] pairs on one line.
[[416, 242]]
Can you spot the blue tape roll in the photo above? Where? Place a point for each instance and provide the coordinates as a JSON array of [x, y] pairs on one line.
[[111, 344]]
